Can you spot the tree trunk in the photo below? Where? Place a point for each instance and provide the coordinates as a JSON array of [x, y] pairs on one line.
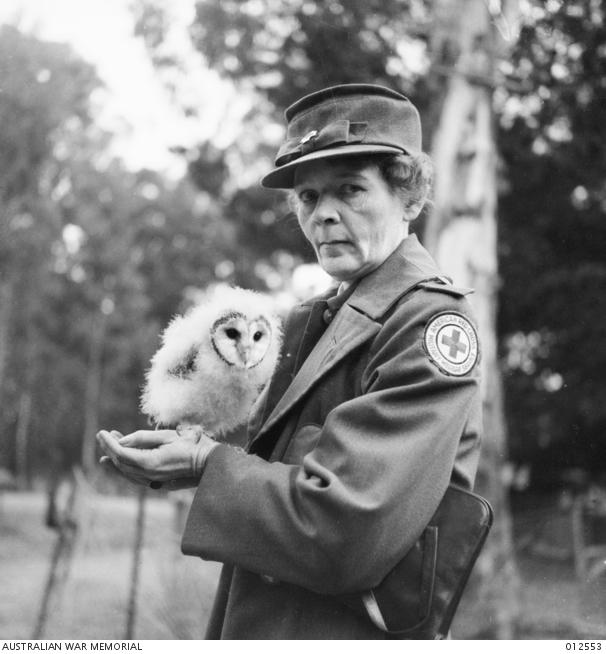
[[7, 288], [93, 391], [461, 233], [24, 412], [24, 415]]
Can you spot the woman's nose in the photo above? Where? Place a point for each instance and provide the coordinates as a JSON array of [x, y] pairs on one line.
[[326, 210]]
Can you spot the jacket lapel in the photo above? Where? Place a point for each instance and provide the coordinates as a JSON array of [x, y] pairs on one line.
[[358, 320], [300, 336], [347, 331]]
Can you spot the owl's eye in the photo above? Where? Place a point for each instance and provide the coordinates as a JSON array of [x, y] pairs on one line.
[[232, 333], [257, 336]]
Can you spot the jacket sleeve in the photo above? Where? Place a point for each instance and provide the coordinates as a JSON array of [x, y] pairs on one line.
[[340, 521]]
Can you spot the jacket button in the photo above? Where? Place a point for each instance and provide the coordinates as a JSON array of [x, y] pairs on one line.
[[327, 316], [269, 580]]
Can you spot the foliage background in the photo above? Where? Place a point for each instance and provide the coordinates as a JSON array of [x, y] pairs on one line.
[[95, 257]]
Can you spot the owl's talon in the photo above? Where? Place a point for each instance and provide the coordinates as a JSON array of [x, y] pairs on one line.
[[193, 432]]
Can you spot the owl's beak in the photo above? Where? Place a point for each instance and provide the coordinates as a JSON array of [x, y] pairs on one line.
[[244, 352]]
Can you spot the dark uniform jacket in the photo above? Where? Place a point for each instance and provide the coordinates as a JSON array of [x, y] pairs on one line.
[[352, 446]]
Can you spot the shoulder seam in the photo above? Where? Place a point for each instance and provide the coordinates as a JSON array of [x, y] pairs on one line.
[[457, 291]]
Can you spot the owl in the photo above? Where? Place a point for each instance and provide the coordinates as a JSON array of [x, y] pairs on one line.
[[213, 362]]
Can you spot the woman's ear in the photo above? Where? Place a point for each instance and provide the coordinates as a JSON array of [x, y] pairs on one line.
[[413, 208]]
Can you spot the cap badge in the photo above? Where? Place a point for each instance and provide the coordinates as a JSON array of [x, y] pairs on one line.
[[309, 136], [340, 132], [451, 343]]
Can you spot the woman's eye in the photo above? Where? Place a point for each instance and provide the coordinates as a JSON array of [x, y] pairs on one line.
[[307, 197], [350, 189]]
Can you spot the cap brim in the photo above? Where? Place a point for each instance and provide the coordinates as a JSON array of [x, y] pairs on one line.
[[284, 176]]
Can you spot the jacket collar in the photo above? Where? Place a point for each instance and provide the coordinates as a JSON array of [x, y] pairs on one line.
[[357, 320], [374, 294], [409, 264]]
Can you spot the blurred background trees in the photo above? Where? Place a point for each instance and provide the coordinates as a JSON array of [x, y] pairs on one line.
[[545, 71], [95, 257], [553, 234]]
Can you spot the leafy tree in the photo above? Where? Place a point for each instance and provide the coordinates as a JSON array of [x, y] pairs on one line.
[[43, 107], [278, 51], [287, 49], [94, 260], [140, 243], [553, 236]]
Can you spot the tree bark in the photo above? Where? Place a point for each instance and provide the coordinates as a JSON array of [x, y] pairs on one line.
[[461, 233], [7, 289], [24, 415], [24, 411], [93, 391]]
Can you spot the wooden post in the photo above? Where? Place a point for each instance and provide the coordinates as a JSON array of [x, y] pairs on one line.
[[135, 577], [70, 519]]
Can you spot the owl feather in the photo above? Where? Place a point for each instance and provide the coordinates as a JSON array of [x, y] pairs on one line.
[[213, 362]]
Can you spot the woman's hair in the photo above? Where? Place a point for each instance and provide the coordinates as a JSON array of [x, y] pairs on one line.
[[409, 176]]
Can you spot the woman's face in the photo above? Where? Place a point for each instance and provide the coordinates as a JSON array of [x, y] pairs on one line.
[[349, 214]]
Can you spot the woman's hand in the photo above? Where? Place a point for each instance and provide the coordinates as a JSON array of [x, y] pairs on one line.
[[159, 458]]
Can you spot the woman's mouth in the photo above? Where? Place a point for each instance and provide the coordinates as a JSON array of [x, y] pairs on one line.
[[334, 242]]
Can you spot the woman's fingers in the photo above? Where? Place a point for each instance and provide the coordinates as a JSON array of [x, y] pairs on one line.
[[142, 439], [117, 469], [119, 454], [169, 458], [131, 463], [148, 456], [106, 443], [145, 439]]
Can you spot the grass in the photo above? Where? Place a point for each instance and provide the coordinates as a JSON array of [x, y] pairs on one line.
[[174, 598], [176, 591]]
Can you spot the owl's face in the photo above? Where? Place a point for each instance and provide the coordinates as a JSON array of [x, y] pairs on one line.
[[241, 341]]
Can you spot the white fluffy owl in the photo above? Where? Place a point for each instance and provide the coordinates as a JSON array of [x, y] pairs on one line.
[[213, 362]]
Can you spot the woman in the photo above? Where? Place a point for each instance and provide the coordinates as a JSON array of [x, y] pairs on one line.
[[374, 407]]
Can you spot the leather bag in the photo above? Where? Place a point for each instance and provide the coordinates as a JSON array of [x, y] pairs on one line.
[[419, 597]]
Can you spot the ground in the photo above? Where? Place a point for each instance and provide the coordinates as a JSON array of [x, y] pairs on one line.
[[175, 593]]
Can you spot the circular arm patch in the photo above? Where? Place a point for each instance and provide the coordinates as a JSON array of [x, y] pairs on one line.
[[451, 342]]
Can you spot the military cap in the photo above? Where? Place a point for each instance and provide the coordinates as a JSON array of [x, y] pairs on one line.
[[349, 119]]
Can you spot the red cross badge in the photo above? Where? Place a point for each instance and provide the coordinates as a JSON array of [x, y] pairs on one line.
[[451, 342]]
